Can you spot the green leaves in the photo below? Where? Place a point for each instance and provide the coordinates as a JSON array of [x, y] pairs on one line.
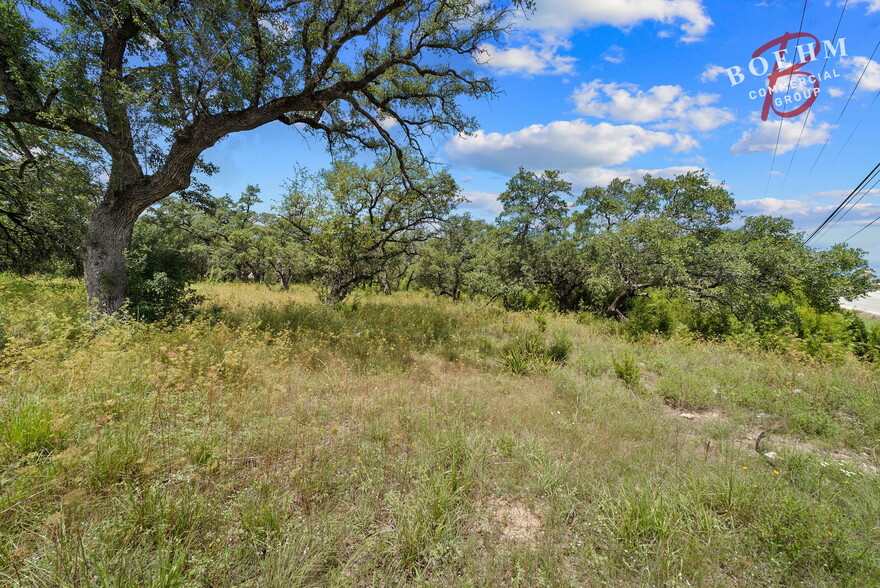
[[356, 223]]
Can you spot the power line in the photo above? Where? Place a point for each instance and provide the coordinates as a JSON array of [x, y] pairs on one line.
[[824, 145], [855, 128], [850, 207], [846, 200], [862, 229]]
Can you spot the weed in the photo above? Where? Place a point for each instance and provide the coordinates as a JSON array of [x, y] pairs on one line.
[[626, 368], [28, 429], [516, 361], [560, 348]]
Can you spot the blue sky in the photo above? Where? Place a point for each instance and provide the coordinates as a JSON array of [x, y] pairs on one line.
[[618, 88]]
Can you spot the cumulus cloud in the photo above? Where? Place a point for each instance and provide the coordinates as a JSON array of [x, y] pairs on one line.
[[566, 15], [486, 202], [841, 194], [601, 176], [542, 58], [873, 5], [777, 207], [670, 107], [567, 145], [763, 137], [866, 69], [835, 92], [542, 35], [808, 209], [712, 73]]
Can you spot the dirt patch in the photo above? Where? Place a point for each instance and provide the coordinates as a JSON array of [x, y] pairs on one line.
[[684, 415], [517, 522]]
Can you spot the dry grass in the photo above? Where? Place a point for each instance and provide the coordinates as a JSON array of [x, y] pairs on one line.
[[277, 442]]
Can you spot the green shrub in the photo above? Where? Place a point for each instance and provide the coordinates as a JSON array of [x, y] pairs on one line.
[[688, 390], [516, 361], [656, 315], [626, 368], [157, 283], [532, 351], [560, 348]]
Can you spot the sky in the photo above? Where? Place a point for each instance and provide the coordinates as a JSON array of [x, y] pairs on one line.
[[619, 88]]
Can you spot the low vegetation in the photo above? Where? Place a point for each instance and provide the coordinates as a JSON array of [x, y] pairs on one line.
[[409, 440]]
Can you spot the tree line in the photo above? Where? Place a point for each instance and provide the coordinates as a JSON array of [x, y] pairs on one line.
[[662, 252], [598, 251]]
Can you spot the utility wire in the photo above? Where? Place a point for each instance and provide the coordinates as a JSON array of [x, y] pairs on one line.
[[855, 128], [846, 200], [824, 145], [850, 207], [862, 229]]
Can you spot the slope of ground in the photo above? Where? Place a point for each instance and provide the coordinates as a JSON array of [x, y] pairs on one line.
[[406, 441]]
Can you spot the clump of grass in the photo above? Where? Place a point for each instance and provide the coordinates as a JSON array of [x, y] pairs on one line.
[[516, 361], [688, 390], [559, 348], [531, 352], [28, 429], [120, 456]]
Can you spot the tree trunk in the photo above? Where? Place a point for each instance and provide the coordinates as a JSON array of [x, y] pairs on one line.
[[107, 239], [614, 311]]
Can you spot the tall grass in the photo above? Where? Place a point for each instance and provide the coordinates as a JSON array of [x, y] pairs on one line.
[[393, 441]]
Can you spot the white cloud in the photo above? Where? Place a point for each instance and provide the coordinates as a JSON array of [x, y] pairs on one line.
[[567, 145], [486, 202], [712, 73], [867, 69], [763, 137], [873, 5], [777, 207], [668, 106], [279, 27], [615, 54], [835, 92], [543, 58], [806, 208], [600, 176], [566, 15], [841, 194], [387, 122]]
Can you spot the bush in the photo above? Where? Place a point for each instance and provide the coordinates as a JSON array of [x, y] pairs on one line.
[[656, 315], [157, 286], [559, 349], [626, 369]]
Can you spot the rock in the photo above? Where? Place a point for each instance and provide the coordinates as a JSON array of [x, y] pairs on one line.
[[687, 415]]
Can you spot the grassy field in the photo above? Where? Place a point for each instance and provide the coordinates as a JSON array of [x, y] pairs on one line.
[[870, 319], [405, 440]]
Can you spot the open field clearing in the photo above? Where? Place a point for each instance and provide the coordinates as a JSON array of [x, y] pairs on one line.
[[406, 440]]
